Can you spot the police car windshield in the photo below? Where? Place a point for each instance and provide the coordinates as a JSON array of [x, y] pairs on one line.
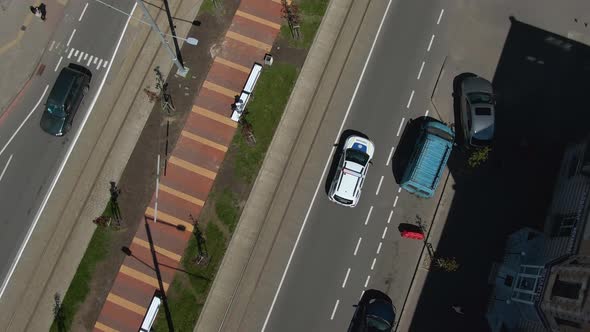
[[357, 156]]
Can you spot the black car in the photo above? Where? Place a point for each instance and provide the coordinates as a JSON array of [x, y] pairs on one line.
[[374, 312], [64, 99]]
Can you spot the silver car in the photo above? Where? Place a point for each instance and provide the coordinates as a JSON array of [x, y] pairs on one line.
[[477, 111]]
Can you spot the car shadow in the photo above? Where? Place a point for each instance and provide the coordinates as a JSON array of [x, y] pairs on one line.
[[338, 154]]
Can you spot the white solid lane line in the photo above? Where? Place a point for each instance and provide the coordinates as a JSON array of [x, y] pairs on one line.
[[390, 156], [379, 248], [357, 246], [384, 232], [358, 84], [410, 100], [367, 281], [333, 311], [19, 128], [401, 125], [373, 264], [5, 167], [63, 163], [58, 63], [71, 36], [421, 68], [369, 215], [379, 185], [83, 11], [390, 214], [345, 278], [440, 16], [430, 44]]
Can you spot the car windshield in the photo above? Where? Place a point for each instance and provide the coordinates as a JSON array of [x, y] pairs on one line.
[[357, 156], [342, 200], [480, 142], [57, 111], [440, 133], [378, 323], [480, 98], [483, 111]]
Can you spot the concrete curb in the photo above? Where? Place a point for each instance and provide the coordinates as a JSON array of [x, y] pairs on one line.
[[101, 154], [421, 273]]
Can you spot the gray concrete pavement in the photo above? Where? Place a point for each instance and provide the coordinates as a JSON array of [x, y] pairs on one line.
[[100, 155]]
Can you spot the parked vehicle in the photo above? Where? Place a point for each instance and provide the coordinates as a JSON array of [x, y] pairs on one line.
[[65, 99], [428, 159], [352, 170], [374, 312], [477, 111]]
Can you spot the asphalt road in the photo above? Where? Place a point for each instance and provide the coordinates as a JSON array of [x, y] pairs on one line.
[[343, 251], [30, 159]]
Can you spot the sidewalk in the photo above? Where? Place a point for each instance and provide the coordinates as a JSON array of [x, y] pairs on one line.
[[191, 170], [23, 39]]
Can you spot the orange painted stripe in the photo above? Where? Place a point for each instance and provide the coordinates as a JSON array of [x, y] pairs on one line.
[[258, 19], [249, 41], [103, 327], [231, 64], [159, 250], [181, 195], [170, 219], [142, 277], [218, 88], [215, 116], [192, 167], [126, 304], [203, 140]]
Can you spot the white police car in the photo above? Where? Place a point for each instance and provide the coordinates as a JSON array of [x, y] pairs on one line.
[[352, 169]]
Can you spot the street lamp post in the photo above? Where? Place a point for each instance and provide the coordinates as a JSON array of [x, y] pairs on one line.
[[182, 70]]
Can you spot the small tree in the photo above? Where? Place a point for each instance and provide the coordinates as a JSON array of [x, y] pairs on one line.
[[447, 264], [478, 157], [58, 313]]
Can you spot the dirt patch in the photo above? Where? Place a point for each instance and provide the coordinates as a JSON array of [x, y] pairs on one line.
[[159, 136]]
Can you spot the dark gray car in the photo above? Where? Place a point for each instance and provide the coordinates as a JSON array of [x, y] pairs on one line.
[[477, 111], [64, 99]]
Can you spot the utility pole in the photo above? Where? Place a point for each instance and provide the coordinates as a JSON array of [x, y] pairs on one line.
[[173, 31], [182, 71]]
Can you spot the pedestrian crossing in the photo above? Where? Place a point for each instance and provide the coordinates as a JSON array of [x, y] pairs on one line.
[[79, 56], [86, 59]]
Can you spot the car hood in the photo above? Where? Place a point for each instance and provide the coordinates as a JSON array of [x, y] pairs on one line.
[[51, 124]]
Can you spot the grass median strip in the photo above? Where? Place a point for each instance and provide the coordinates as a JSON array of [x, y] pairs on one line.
[[80, 286]]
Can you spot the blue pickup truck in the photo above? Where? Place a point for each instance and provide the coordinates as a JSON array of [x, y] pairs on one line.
[[428, 159]]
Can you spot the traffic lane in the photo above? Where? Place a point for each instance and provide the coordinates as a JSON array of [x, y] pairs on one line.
[[95, 35], [329, 216], [318, 267], [36, 158], [391, 84], [23, 187], [331, 256]]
